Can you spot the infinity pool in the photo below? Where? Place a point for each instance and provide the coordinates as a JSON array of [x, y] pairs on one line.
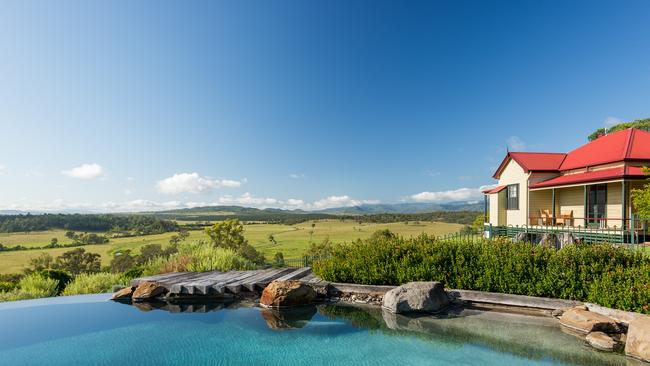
[[89, 330]]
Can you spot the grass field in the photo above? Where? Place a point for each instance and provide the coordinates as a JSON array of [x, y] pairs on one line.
[[292, 240]]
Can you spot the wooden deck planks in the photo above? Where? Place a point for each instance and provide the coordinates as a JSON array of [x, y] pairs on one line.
[[215, 282]]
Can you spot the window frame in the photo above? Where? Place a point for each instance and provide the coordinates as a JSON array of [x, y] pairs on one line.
[[511, 200]]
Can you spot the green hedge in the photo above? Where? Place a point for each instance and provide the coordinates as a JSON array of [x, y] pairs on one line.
[[603, 274]]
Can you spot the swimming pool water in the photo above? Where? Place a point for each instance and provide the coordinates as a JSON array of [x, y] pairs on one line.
[[89, 330]]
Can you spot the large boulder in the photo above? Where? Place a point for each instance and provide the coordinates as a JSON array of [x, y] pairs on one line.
[[147, 291], [601, 341], [123, 294], [287, 293], [638, 339], [584, 321], [426, 297]]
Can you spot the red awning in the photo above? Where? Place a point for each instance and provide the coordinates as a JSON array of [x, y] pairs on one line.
[[496, 189], [593, 176]]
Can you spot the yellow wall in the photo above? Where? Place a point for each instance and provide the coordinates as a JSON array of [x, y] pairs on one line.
[[514, 174], [540, 200], [614, 205], [572, 198]]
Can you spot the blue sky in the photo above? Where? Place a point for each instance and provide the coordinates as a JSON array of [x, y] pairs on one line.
[[131, 105]]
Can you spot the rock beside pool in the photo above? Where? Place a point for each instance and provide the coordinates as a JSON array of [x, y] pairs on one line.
[[292, 318], [423, 297], [123, 294], [638, 339], [287, 293], [581, 320], [148, 290], [601, 341]]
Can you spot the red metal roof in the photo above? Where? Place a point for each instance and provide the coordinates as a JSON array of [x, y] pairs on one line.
[[593, 176], [533, 161], [496, 189], [630, 144]]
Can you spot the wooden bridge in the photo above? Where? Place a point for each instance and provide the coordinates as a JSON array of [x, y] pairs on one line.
[[232, 282]]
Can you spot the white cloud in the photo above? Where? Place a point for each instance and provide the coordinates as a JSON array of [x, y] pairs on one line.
[[85, 171], [130, 179], [516, 144], [460, 194], [193, 183], [248, 199], [340, 201], [611, 121], [295, 203], [128, 192], [231, 183], [2, 168], [297, 175]]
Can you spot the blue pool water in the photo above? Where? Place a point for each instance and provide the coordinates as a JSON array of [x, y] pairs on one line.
[[89, 330]]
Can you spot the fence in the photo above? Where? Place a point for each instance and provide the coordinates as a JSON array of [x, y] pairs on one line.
[[633, 238]]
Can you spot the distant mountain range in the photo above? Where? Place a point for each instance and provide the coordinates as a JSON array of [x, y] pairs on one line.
[[403, 208], [366, 209]]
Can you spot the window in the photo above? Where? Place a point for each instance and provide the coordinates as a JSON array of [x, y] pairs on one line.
[[512, 197]]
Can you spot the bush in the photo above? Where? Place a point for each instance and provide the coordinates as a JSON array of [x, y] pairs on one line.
[[198, 257], [598, 273], [32, 286], [93, 283], [61, 277]]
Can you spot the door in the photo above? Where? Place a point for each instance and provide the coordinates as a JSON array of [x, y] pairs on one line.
[[597, 205]]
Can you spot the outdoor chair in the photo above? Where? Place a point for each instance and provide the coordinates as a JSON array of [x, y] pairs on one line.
[[566, 219]]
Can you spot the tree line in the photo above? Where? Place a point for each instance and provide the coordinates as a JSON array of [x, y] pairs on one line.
[[123, 224]]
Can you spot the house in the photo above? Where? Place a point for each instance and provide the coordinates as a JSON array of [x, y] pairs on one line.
[[587, 189]]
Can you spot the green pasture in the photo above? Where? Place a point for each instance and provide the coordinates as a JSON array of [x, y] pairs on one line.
[[291, 240]]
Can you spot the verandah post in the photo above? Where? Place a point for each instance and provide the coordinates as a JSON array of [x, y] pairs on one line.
[[553, 194]]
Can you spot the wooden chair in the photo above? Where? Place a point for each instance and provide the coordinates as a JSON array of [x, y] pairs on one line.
[[549, 217], [566, 219]]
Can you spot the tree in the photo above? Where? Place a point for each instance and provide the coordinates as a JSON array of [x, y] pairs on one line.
[[40, 263], [641, 198], [643, 124], [122, 262], [478, 224], [77, 261], [54, 242], [180, 237], [278, 259], [229, 234], [382, 234], [272, 240], [153, 251]]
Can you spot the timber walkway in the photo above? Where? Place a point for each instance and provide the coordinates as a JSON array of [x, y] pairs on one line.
[[232, 282]]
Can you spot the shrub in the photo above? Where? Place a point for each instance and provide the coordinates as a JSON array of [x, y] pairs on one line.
[[623, 288], [93, 283], [598, 273], [31, 287], [61, 277], [198, 257]]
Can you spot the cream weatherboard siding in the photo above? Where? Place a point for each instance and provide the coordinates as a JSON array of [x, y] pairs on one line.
[[540, 200], [614, 209], [514, 174], [571, 199]]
